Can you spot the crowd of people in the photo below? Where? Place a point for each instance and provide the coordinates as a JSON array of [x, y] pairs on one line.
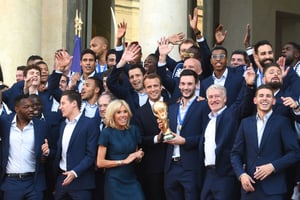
[[229, 127]]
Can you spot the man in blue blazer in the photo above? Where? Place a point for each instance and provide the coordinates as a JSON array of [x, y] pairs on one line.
[[22, 141], [264, 147], [182, 165], [216, 142], [231, 78], [76, 150]]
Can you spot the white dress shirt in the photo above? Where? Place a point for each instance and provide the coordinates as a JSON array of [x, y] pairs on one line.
[[67, 134], [210, 139], [261, 124], [21, 155]]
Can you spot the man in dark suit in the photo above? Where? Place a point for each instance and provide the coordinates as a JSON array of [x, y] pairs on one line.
[[182, 165], [267, 145], [152, 166], [231, 78], [22, 141], [135, 94], [221, 125], [76, 150]]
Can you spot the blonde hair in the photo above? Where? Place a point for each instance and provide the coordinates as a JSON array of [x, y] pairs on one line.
[[112, 108]]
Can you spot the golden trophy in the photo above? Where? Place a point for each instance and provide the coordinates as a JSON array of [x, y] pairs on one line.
[[160, 111]]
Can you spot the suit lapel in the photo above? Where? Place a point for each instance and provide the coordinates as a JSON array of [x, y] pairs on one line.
[[148, 109], [267, 132], [76, 130], [189, 113]]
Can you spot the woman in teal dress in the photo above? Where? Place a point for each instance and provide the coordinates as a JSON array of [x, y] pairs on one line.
[[118, 153]]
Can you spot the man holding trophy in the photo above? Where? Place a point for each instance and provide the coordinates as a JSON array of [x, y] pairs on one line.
[[183, 166], [151, 168]]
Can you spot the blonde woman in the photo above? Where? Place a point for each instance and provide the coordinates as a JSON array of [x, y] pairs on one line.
[[118, 152]]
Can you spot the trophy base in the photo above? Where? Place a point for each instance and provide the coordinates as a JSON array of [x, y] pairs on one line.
[[168, 137]]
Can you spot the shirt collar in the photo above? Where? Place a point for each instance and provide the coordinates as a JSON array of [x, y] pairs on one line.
[[14, 121], [190, 101], [224, 75], [211, 115], [75, 119], [152, 102], [266, 117]]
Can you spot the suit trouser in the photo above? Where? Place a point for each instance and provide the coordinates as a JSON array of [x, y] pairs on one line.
[[20, 188], [181, 184]]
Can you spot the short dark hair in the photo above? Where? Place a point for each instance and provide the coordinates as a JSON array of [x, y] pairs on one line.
[[152, 76], [264, 86], [29, 67], [219, 48], [295, 45], [189, 72], [260, 43], [88, 51], [19, 98], [137, 66], [33, 58], [73, 96], [268, 65], [241, 52], [98, 83], [21, 68], [110, 51]]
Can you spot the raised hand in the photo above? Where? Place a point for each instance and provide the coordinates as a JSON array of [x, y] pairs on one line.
[[250, 75], [62, 60], [164, 47], [176, 38], [45, 148], [194, 20], [220, 34], [281, 63], [122, 27], [247, 36]]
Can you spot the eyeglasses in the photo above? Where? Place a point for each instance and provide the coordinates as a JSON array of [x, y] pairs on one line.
[[218, 56]]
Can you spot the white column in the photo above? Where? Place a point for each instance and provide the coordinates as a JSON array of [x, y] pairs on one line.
[[161, 18], [20, 34]]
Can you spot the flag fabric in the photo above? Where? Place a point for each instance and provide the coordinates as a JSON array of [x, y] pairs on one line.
[[75, 67]]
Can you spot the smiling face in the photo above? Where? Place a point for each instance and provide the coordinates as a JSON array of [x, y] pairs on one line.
[[136, 79], [264, 100], [216, 99], [153, 88], [237, 60], [121, 117], [24, 109], [218, 60], [35, 76], [187, 86], [264, 54]]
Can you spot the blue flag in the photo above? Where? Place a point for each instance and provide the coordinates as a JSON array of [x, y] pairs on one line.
[[75, 67]]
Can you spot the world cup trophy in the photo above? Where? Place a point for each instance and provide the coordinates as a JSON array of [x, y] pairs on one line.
[[160, 111]]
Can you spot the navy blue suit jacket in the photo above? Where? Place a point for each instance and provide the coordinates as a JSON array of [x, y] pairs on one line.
[[153, 161], [81, 153], [191, 130], [227, 124], [40, 134], [278, 146], [233, 85]]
